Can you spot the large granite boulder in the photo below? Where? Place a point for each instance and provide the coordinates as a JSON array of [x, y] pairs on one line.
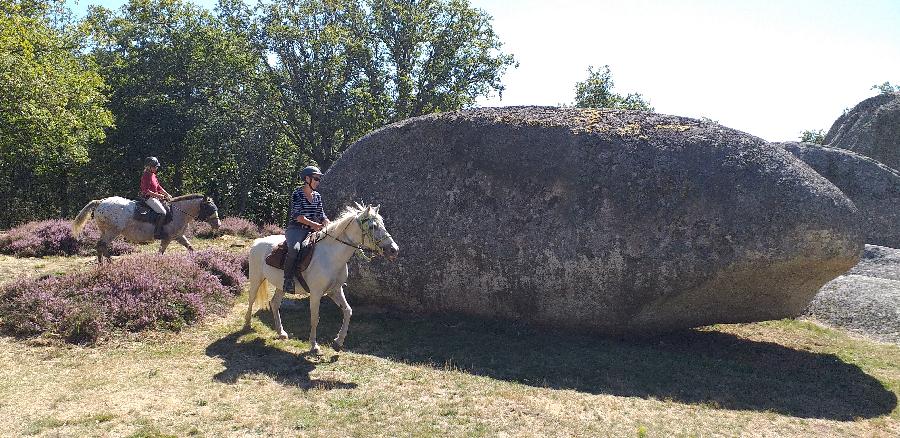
[[872, 186], [871, 128], [612, 221]]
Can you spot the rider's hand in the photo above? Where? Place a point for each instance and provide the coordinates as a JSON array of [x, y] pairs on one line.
[[317, 227]]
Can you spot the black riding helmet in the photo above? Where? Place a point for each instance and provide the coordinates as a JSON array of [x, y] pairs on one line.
[[151, 161], [309, 171]]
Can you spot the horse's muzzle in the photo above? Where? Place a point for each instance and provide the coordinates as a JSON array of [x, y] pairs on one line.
[[392, 252]]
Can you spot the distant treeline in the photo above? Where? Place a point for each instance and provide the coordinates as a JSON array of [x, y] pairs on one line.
[[234, 101]]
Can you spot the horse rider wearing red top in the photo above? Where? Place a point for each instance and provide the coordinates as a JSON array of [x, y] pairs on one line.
[[153, 193]]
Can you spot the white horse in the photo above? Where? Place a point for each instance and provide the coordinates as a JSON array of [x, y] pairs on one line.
[[115, 216], [355, 229]]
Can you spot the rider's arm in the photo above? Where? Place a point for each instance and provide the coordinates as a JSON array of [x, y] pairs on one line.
[[151, 194], [314, 225]]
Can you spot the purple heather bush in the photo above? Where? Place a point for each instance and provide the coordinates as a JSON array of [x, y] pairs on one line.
[[271, 230], [134, 293], [54, 237], [234, 226]]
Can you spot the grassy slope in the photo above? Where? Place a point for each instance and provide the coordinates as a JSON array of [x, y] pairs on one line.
[[436, 376]]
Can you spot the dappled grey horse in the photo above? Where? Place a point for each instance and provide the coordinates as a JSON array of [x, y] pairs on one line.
[[116, 215]]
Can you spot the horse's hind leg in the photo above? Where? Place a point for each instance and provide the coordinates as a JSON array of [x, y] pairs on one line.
[[314, 298], [256, 280], [101, 249], [341, 301], [275, 304]]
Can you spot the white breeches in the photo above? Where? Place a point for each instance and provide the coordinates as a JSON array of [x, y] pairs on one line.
[[156, 205]]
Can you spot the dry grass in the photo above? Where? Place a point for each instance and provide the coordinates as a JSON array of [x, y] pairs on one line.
[[438, 376]]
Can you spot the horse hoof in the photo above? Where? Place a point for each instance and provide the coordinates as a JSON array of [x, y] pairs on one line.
[[336, 347], [315, 350], [282, 336]]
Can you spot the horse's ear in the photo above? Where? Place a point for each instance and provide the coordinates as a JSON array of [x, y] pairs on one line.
[[377, 207]]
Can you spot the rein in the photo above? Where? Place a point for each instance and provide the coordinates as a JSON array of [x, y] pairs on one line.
[[366, 231], [172, 205]]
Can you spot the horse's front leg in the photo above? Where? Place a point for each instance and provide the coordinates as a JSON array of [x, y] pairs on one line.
[[314, 298], [184, 242], [275, 304], [341, 300], [163, 244]]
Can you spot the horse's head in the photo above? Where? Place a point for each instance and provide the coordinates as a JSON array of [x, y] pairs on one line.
[[374, 234], [209, 213]]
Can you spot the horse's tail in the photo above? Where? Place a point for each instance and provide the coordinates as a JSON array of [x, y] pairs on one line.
[[258, 252], [83, 216], [262, 295]]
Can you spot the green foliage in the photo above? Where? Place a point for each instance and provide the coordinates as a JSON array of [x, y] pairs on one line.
[[810, 136], [233, 102], [344, 67], [886, 88], [597, 92], [51, 107], [188, 87]]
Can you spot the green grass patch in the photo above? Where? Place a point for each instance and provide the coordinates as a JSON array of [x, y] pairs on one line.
[[40, 425]]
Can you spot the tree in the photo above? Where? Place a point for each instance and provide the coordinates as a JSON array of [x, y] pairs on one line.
[[810, 136], [51, 108], [886, 88], [597, 92], [320, 87], [435, 55], [184, 85], [345, 67]]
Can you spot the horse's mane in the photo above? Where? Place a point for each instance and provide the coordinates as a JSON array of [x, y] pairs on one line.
[[347, 214], [188, 197]]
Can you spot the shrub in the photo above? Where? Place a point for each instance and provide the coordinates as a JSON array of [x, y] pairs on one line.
[[54, 237], [234, 226], [270, 230], [202, 230], [228, 270], [134, 293]]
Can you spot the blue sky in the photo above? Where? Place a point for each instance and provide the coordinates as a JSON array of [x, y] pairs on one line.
[[770, 68]]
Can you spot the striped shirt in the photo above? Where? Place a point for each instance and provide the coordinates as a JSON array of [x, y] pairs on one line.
[[300, 206]]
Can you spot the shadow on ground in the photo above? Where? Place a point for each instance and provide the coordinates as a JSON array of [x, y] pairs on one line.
[[251, 357], [697, 367]]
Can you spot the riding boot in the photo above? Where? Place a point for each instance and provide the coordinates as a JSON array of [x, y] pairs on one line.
[[158, 233], [290, 268]]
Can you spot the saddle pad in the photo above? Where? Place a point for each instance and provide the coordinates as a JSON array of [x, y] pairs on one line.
[[276, 258], [144, 213]]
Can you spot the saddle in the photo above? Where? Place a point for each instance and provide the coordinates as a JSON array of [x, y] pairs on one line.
[[276, 258], [143, 212]]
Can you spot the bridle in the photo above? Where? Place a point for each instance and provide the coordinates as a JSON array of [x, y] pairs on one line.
[[367, 226], [196, 218]]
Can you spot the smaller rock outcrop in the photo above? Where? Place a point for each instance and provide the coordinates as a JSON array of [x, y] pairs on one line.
[[871, 128], [872, 186]]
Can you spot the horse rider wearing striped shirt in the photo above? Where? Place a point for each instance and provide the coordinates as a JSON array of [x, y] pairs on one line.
[[307, 215]]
